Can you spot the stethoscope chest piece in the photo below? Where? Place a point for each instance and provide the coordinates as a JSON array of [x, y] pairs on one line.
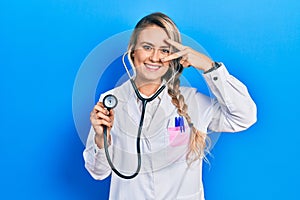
[[110, 101]]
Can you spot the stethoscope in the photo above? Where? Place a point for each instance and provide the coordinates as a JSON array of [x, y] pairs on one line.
[[110, 102]]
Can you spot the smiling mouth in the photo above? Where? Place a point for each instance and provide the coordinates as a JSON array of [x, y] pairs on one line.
[[152, 67]]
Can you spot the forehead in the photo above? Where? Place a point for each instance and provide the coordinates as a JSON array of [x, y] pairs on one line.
[[154, 35]]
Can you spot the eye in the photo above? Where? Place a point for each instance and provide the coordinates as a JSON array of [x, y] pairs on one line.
[[147, 47], [165, 51]]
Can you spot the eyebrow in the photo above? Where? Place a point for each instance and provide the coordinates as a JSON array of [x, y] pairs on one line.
[[149, 43]]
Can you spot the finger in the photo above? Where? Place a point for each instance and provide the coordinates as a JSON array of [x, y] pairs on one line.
[[100, 108], [174, 56], [184, 58], [99, 103], [182, 61], [185, 63], [108, 114], [99, 115], [100, 122], [103, 116], [175, 44]]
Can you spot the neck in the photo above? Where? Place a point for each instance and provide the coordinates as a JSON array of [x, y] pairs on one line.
[[147, 89]]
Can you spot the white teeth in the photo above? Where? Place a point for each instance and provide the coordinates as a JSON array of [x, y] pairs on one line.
[[152, 66]]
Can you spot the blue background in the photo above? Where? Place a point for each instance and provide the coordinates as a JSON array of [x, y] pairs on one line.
[[43, 43]]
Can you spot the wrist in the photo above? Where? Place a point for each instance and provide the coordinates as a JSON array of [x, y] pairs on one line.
[[215, 65], [99, 141]]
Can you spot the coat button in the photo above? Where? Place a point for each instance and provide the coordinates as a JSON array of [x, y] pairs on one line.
[[215, 78]]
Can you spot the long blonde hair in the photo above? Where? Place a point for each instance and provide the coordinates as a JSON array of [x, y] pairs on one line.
[[199, 141]]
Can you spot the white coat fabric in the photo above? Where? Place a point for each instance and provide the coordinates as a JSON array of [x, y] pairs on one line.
[[165, 173]]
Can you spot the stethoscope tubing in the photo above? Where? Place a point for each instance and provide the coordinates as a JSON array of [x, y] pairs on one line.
[[138, 141]]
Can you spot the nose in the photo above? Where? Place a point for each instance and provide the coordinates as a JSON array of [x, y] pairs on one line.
[[155, 55]]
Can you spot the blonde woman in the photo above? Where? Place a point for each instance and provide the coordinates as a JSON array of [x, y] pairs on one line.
[[174, 135]]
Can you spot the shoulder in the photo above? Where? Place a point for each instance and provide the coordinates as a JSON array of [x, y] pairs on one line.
[[121, 92], [192, 94], [188, 92]]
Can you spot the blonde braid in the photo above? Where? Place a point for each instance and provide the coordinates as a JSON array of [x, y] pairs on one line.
[[198, 139], [199, 142]]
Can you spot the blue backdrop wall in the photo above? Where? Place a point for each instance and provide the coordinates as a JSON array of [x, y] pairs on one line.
[[42, 46]]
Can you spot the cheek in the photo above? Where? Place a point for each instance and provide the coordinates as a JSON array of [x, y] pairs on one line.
[[166, 64], [139, 57]]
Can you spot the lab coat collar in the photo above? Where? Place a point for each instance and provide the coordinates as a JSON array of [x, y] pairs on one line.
[[130, 105]]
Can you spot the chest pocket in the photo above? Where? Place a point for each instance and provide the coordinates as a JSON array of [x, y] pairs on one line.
[[178, 138], [178, 131]]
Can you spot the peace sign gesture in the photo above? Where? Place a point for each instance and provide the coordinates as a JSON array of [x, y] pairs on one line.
[[189, 57]]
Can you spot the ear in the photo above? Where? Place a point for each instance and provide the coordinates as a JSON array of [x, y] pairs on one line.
[[130, 50]]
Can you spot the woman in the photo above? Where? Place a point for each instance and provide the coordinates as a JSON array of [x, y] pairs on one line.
[[174, 140]]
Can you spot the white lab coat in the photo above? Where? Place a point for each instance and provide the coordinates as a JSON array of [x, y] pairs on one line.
[[165, 174]]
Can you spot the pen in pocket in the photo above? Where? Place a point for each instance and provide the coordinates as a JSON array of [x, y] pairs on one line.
[[179, 122]]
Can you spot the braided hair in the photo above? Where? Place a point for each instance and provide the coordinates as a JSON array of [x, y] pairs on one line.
[[199, 142]]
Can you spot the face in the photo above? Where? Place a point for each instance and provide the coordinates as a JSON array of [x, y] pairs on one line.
[[149, 50]]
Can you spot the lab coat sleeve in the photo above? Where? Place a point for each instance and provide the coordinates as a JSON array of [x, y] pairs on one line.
[[95, 159], [233, 109]]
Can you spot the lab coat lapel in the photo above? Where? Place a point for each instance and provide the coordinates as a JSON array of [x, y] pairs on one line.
[[163, 113], [131, 110], [129, 105]]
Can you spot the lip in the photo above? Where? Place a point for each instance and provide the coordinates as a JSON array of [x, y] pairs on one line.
[[152, 67]]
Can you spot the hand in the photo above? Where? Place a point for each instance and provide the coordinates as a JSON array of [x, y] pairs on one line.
[[189, 57], [100, 117]]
